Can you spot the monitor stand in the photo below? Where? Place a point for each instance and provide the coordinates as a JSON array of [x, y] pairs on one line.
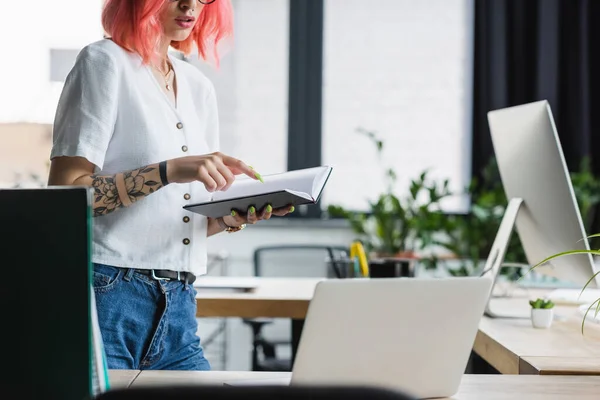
[[498, 252]]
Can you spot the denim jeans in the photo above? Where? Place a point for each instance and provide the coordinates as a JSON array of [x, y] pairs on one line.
[[145, 323]]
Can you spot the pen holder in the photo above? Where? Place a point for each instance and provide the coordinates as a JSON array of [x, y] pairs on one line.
[[343, 267]]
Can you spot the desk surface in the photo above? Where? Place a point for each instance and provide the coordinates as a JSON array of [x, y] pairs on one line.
[[512, 346], [271, 297], [473, 387]]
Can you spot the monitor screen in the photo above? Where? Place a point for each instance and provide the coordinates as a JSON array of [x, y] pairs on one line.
[[45, 292]]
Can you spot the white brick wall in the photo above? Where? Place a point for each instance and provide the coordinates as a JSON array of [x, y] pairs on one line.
[[402, 69]]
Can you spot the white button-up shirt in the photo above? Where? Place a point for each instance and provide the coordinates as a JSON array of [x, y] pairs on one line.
[[114, 113]]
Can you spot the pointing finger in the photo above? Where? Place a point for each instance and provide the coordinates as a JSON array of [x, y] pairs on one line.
[[239, 167]]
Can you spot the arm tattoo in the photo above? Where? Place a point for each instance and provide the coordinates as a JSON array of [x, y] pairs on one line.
[[139, 183]]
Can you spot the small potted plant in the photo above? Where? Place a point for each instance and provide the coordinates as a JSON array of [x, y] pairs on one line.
[[542, 313]]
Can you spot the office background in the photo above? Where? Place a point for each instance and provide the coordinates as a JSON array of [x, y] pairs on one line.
[[304, 81]]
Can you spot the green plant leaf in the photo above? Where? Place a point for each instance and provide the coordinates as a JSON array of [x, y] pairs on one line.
[[537, 303], [547, 304], [589, 237], [564, 253], [588, 282], [586, 313]]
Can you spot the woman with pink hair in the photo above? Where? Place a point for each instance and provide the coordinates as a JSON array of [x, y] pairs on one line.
[[141, 128]]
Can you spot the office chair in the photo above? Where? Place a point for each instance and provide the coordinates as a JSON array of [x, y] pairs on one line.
[[252, 392], [302, 260]]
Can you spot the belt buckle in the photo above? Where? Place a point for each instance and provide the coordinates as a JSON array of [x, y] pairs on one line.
[[157, 278], [166, 279]]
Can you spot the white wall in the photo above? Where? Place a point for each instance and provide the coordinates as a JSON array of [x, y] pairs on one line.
[[27, 95], [401, 68]]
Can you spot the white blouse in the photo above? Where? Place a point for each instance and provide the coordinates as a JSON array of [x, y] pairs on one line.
[[113, 112]]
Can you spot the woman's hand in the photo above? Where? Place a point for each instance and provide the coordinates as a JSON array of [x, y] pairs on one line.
[[216, 171], [252, 216]]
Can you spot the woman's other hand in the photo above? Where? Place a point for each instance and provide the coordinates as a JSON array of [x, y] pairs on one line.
[[216, 171], [252, 216]]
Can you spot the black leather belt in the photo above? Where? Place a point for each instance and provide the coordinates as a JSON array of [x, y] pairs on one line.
[[162, 274]]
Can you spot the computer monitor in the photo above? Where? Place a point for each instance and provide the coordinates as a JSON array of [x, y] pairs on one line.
[[535, 177], [45, 292]]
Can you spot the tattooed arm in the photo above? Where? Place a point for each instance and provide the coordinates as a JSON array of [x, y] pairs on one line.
[[111, 192], [216, 171]]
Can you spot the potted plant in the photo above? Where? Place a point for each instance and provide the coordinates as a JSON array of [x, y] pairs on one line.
[[542, 313], [396, 228]]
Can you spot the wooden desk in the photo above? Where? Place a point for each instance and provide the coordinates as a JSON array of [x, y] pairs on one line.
[[528, 387], [512, 346], [473, 387], [272, 297], [559, 365]]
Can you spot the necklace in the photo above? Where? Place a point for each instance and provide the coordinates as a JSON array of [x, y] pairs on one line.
[[167, 75]]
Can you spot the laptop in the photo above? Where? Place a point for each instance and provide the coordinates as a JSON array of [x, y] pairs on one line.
[[413, 335]]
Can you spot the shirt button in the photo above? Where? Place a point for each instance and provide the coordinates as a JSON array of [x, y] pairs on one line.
[[186, 241], [186, 219], [186, 196], [184, 148], [179, 125]]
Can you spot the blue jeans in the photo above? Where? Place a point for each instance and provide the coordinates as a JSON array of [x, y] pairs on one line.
[[145, 323]]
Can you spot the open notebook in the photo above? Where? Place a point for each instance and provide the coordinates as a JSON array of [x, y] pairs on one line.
[[303, 186]]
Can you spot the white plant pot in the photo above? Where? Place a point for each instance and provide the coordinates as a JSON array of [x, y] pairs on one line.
[[542, 317]]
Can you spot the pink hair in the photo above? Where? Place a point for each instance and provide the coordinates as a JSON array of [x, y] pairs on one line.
[[135, 26]]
